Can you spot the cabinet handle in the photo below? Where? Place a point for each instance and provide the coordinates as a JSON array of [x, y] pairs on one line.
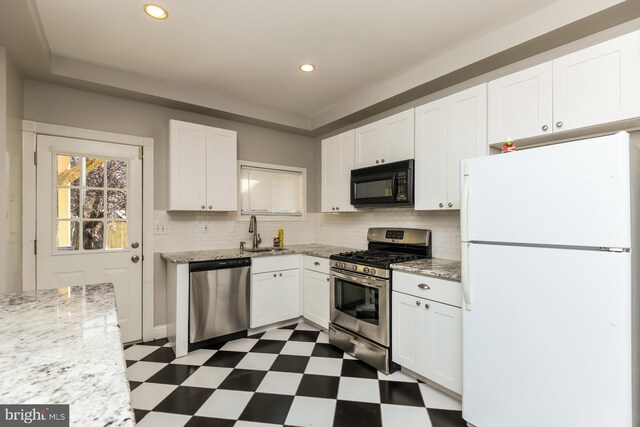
[[210, 207], [328, 279], [424, 286], [418, 303], [333, 209], [545, 128], [450, 204], [274, 274], [316, 263], [377, 161], [441, 205], [338, 208], [280, 274], [426, 306], [382, 161], [203, 206], [559, 124]]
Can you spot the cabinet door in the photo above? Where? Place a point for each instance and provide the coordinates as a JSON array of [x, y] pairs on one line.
[[520, 104], [222, 170], [347, 141], [316, 297], [407, 335], [289, 287], [442, 359], [369, 145], [265, 299], [187, 166], [466, 137], [598, 84], [331, 169], [399, 136], [431, 138]]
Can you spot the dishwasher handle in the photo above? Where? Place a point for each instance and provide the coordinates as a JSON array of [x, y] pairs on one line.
[[219, 264]]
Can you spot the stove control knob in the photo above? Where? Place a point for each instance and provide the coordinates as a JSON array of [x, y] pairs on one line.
[[372, 271], [366, 270], [343, 265], [354, 267]]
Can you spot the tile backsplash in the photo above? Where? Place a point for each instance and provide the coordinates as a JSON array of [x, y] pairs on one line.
[[185, 230]]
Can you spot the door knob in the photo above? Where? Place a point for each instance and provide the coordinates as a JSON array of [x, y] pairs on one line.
[[203, 206], [382, 161], [328, 279], [427, 306], [210, 207], [135, 245], [545, 128], [377, 161], [418, 303], [135, 258], [280, 274], [559, 124], [450, 204], [441, 205]]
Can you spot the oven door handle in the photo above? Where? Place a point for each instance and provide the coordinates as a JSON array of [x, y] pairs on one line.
[[371, 282]]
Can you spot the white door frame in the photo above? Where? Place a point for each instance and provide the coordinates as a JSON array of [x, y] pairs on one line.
[[30, 130]]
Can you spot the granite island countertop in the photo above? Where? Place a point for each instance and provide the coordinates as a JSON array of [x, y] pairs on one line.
[[62, 346], [441, 268], [313, 249]]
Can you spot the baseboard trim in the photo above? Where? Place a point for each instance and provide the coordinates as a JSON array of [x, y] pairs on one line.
[[159, 332]]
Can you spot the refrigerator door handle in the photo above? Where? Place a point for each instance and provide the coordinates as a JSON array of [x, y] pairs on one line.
[[466, 291], [464, 202]]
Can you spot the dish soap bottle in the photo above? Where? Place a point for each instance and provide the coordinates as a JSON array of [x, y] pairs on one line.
[[508, 146], [281, 237]]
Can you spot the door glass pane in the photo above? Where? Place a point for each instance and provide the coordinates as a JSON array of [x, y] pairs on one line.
[[116, 204], [116, 174], [95, 172], [68, 236], [93, 204], [68, 170], [92, 235], [116, 235], [358, 301], [372, 189], [68, 203]]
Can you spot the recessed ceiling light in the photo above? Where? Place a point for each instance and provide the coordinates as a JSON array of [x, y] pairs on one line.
[[307, 68], [155, 11]]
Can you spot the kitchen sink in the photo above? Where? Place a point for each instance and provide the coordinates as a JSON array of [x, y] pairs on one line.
[[264, 249]]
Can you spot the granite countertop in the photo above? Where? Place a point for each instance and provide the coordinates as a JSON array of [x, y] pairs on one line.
[[323, 251], [440, 268], [62, 346]]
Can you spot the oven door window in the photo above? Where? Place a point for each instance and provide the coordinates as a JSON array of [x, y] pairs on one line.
[[358, 301]]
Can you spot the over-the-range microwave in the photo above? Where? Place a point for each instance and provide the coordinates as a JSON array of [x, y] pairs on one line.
[[384, 185]]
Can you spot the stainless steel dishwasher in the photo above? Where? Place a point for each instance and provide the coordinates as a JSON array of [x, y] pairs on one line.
[[218, 300]]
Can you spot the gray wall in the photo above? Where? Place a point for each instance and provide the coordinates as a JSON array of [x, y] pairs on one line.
[[48, 103]]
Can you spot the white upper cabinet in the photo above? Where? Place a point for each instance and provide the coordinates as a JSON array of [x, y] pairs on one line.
[[385, 141], [596, 85], [448, 130], [202, 168], [337, 162], [520, 104]]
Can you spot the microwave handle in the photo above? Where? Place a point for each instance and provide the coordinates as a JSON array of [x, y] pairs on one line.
[[394, 187]]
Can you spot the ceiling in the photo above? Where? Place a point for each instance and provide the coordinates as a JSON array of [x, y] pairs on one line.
[[242, 56]]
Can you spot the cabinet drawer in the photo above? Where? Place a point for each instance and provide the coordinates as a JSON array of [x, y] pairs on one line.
[[274, 263], [321, 265], [444, 291]]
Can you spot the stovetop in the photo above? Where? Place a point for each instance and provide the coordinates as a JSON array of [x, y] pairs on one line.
[[380, 259]]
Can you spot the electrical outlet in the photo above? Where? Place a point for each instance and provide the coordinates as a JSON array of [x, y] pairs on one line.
[[160, 228], [205, 227], [458, 230]]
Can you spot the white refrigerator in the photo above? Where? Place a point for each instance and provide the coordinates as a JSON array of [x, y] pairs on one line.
[[550, 278]]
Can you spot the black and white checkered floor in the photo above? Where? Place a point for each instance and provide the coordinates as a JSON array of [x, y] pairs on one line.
[[288, 376]]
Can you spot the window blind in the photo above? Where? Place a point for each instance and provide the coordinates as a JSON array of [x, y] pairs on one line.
[[267, 191]]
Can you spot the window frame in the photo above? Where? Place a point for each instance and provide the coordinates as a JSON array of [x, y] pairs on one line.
[[272, 218]]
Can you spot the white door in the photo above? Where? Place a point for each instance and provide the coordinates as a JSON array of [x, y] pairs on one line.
[[187, 166], [399, 137], [369, 145], [548, 339], [520, 104], [443, 344], [431, 154], [289, 287], [222, 169], [574, 194], [408, 334], [316, 297], [347, 140], [89, 221], [467, 137], [598, 84], [330, 173]]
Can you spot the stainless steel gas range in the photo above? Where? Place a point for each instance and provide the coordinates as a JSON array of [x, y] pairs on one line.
[[361, 292]]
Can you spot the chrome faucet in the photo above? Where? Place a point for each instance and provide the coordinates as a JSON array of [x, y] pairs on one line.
[[253, 228]]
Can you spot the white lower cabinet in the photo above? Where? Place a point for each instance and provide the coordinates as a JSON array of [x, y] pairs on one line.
[[275, 290], [316, 297], [427, 338]]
